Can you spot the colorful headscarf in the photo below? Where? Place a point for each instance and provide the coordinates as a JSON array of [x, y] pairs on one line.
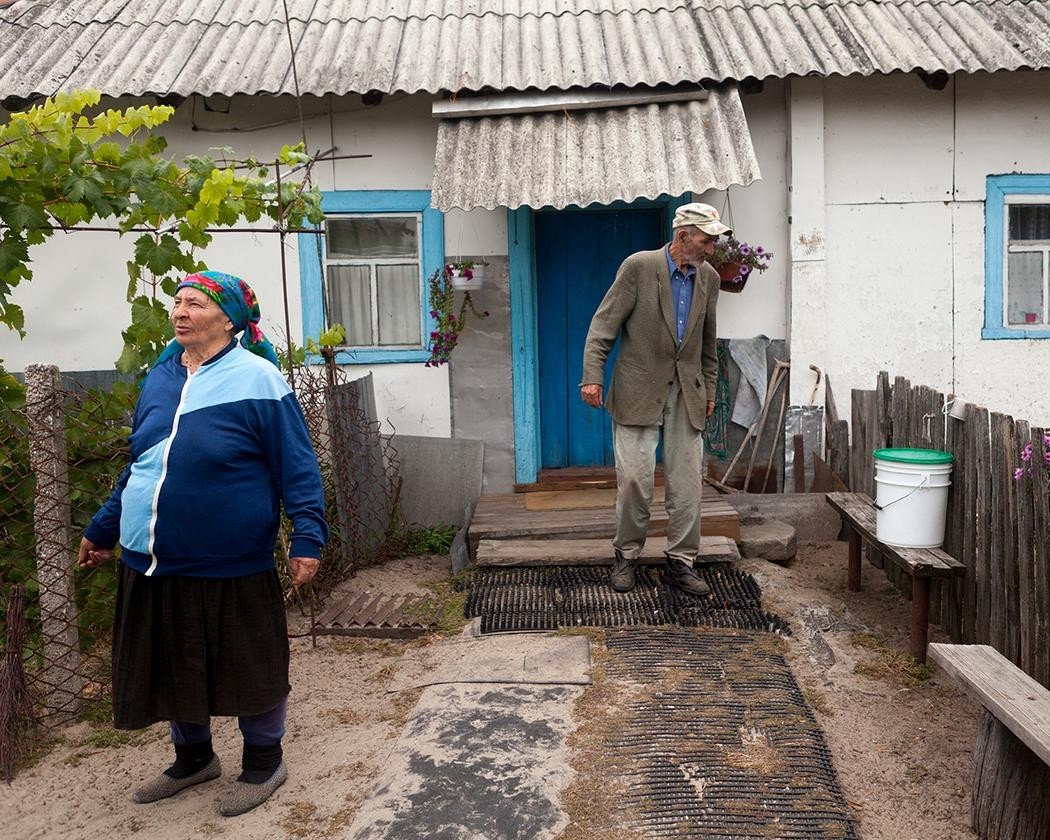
[[237, 300]]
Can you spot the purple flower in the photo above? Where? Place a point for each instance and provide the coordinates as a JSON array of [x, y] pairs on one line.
[[1018, 474], [434, 313], [744, 269], [745, 249], [760, 250]]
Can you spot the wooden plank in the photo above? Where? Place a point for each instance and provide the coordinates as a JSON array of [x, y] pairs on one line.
[[968, 477], [983, 513], [884, 425], [1026, 607], [579, 499], [1000, 559], [935, 426], [1014, 697], [899, 412], [590, 552], [840, 452], [952, 596], [1041, 535], [864, 416], [1006, 443], [929, 562], [716, 519]]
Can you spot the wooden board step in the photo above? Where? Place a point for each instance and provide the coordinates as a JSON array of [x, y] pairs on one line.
[[505, 517], [589, 552], [577, 478]]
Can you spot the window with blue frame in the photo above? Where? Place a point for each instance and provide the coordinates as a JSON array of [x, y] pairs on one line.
[[369, 273], [1017, 257]]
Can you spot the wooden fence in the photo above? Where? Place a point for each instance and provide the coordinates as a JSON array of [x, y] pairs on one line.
[[997, 525]]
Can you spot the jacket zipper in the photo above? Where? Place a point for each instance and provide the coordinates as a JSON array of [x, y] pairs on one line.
[[164, 472]]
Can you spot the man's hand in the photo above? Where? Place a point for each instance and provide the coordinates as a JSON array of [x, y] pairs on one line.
[[710, 408], [303, 569], [592, 395], [90, 555]]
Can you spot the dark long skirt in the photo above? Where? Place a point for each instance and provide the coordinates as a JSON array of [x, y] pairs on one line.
[[188, 648]]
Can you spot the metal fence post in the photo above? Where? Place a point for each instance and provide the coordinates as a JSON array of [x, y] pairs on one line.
[[53, 536]]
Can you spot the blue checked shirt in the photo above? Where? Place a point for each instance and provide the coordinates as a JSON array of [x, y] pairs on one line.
[[681, 292]]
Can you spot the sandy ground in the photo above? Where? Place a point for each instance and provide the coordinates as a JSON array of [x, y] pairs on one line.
[[902, 752]]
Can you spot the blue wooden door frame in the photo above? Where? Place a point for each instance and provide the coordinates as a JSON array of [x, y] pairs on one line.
[[521, 248]]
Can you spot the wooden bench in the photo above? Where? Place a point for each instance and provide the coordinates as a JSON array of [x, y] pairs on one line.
[[1011, 759], [922, 564]]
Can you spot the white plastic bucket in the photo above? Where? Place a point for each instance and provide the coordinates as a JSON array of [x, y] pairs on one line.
[[911, 496]]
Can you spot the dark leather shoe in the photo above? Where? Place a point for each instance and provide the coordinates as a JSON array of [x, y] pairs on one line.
[[622, 575], [680, 575]]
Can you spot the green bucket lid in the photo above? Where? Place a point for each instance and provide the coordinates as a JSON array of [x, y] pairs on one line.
[[923, 457]]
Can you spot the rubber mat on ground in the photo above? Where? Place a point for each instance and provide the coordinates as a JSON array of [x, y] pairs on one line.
[[546, 598], [718, 739]]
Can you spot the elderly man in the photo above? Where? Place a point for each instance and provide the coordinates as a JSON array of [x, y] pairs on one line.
[[662, 304]]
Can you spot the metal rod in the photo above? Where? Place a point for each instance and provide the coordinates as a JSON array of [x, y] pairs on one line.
[[284, 278], [101, 229]]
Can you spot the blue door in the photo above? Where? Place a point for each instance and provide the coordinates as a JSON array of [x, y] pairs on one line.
[[577, 254]]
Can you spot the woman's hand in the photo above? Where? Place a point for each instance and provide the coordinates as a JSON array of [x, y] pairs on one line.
[[90, 555], [303, 569]]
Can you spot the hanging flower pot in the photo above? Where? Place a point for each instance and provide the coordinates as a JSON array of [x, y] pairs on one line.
[[728, 271], [466, 276], [735, 261]]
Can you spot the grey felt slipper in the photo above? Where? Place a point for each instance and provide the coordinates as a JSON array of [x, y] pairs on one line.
[[164, 785], [246, 796]]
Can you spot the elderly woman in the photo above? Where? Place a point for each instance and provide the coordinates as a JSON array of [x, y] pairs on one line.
[[218, 445]]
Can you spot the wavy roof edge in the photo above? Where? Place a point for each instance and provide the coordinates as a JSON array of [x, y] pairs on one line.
[[115, 19], [321, 93]]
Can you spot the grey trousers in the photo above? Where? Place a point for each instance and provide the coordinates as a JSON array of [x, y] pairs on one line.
[[635, 450]]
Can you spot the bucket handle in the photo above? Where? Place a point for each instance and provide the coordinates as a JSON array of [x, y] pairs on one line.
[[925, 478]]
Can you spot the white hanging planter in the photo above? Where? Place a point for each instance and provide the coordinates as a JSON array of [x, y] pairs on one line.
[[461, 282]]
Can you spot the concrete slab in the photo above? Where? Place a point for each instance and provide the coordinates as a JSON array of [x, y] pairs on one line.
[[767, 539], [502, 658], [475, 761]]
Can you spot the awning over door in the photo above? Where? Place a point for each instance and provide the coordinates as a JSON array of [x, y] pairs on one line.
[[579, 157]]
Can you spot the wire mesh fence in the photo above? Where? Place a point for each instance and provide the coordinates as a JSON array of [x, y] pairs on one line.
[[64, 449]]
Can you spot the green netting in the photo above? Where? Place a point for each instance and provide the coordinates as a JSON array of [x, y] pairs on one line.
[[716, 430]]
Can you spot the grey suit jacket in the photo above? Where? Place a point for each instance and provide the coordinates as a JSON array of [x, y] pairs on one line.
[[638, 306]]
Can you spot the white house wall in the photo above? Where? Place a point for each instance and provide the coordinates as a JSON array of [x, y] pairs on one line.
[[76, 308], [905, 171], [759, 217]]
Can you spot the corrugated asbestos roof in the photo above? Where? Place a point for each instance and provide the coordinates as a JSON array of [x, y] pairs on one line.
[[579, 157], [343, 46]]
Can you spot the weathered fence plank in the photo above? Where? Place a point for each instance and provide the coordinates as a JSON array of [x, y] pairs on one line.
[[978, 418], [952, 601], [1003, 557], [1041, 557]]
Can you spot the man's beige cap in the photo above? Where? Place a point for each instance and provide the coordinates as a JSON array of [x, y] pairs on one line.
[[703, 216]]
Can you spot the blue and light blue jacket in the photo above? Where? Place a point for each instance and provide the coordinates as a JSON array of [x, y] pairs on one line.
[[214, 454]]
